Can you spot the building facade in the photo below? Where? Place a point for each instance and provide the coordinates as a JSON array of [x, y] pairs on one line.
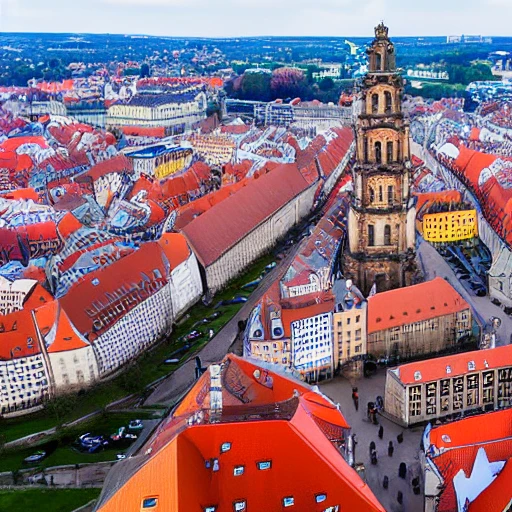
[[160, 161], [349, 332], [452, 226], [426, 318], [452, 385], [381, 219], [500, 277]]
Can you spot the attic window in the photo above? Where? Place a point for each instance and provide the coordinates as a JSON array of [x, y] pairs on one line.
[[149, 502], [211, 508], [225, 447], [288, 501], [238, 470], [418, 310], [446, 438], [95, 281], [391, 317], [432, 307], [446, 304], [471, 365], [405, 313], [448, 369], [320, 497], [417, 375], [264, 465], [378, 319], [239, 506]]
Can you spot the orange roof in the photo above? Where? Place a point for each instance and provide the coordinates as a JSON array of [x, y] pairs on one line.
[[18, 336], [446, 196], [66, 336], [291, 427], [434, 369], [21, 193], [68, 225], [498, 496], [413, 304], [175, 248], [289, 316]]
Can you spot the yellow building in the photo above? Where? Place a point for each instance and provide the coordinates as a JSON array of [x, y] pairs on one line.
[[349, 328], [449, 226]]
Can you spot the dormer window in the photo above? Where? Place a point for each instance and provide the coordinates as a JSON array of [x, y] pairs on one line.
[[211, 508], [225, 447], [471, 366], [240, 505], [288, 501], [448, 369], [238, 470], [417, 375], [264, 465], [149, 502], [319, 498]]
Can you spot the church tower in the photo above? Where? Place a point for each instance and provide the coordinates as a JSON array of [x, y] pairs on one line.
[[381, 219]]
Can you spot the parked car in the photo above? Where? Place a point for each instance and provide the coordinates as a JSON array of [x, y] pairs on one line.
[[35, 457], [171, 360], [214, 316], [135, 425], [92, 443], [193, 335], [121, 456]]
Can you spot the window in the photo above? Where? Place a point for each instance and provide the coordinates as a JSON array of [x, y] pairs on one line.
[[389, 152], [378, 62], [372, 195], [365, 149], [225, 447], [238, 470], [239, 506], [264, 465], [149, 502], [371, 235], [375, 103], [387, 234], [319, 498], [381, 195], [391, 194], [211, 508], [288, 501], [389, 102], [378, 153]]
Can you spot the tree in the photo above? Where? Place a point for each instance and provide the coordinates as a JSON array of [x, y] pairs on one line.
[[288, 83], [326, 84], [255, 86], [145, 72]]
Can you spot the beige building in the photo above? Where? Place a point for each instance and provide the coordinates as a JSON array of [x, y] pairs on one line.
[[426, 318], [349, 328], [427, 390]]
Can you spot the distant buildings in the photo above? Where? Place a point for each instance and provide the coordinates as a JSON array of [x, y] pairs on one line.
[[174, 112], [161, 160], [241, 440], [475, 381], [417, 320], [468, 464]]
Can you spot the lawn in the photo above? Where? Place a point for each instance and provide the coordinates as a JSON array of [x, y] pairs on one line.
[[46, 500], [59, 447], [146, 369]]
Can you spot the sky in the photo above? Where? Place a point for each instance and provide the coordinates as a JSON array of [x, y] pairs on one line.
[[236, 18]]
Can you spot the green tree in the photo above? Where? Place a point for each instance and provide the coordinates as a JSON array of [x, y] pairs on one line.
[[145, 71], [255, 86], [326, 84]]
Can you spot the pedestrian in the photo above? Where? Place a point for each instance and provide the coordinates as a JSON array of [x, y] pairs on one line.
[[355, 398], [381, 432], [385, 482], [402, 470], [372, 446], [400, 497], [400, 437], [391, 449], [373, 413], [373, 457]]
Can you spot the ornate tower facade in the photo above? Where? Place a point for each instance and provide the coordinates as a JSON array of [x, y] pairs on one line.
[[381, 221]]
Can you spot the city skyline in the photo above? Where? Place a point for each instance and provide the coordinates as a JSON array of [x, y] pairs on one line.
[[227, 18]]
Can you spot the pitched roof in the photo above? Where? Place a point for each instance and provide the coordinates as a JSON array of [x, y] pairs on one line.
[[18, 336], [265, 417], [175, 247], [413, 304], [116, 164], [217, 230], [288, 316], [434, 369], [498, 496]]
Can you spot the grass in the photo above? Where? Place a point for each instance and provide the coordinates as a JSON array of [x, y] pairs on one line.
[[46, 500], [146, 369]]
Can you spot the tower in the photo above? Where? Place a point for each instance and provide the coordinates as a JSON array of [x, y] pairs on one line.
[[381, 220]]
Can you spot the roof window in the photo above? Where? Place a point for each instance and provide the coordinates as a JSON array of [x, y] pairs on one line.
[[264, 465], [288, 501], [210, 508], [378, 319], [417, 375], [150, 502], [448, 369], [446, 438], [225, 447], [471, 365], [238, 470], [95, 281], [240, 505], [319, 498]]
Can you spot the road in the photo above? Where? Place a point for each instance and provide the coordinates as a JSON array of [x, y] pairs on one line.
[[178, 383], [435, 266]]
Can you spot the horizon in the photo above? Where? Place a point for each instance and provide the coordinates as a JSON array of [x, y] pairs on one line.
[[229, 19]]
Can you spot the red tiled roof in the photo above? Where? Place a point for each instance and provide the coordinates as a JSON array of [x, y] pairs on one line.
[[116, 164], [434, 369], [175, 248], [235, 129], [288, 316], [66, 336], [413, 304], [68, 225], [21, 193], [498, 496], [220, 228], [18, 336]]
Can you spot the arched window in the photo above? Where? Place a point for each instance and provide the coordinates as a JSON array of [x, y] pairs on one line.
[[381, 198], [389, 152], [398, 151], [371, 235], [378, 62], [375, 103], [391, 193], [387, 234], [365, 144], [388, 101], [378, 152], [372, 195]]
